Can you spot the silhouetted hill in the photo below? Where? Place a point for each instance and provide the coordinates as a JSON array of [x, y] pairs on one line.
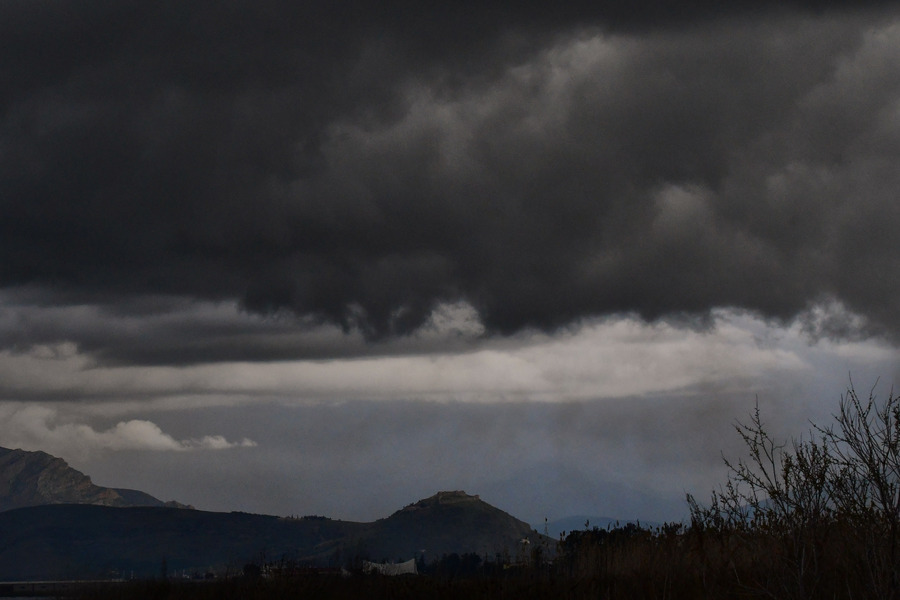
[[443, 523], [37, 478], [55, 523], [85, 541], [89, 541]]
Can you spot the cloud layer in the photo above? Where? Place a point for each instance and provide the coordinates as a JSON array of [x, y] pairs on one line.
[[543, 252], [35, 427], [360, 168], [603, 359]]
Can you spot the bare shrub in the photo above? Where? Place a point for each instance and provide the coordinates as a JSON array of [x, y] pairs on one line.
[[816, 517]]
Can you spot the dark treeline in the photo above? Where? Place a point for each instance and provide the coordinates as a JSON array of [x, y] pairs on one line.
[[811, 518]]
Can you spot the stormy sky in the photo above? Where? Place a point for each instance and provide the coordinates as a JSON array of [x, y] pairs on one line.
[[331, 257]]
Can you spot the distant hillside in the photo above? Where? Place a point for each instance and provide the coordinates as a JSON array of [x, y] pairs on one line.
[[445, 523], [82, 541], [37, 478], [55, 523]]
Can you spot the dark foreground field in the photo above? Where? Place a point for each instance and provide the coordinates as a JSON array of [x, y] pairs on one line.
[[518, 587], [696, 563]]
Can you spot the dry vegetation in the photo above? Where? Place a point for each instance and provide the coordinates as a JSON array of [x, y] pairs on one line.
[[808, 519]]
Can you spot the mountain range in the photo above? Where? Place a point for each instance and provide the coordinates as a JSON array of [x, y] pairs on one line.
[[37, 478], [56, 524]]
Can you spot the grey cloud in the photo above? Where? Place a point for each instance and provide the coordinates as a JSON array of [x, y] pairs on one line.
[[36, 428], [625, 456], [158, 330], [360, 167]]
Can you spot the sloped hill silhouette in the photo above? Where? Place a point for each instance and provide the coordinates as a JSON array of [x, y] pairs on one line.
[[90, 541], [37, 478], [444, 523]]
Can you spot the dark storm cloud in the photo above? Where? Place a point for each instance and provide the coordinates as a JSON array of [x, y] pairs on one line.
[[359, 165], [142, 329]]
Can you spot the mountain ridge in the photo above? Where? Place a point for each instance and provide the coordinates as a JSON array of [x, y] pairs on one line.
[[35, 478], [82, 541], [55, 523]]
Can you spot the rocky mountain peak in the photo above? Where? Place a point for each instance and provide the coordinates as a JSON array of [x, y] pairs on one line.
[[34, 478]]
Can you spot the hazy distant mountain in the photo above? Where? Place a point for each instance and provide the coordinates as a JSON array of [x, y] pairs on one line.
[[37, 478], [81, 541]]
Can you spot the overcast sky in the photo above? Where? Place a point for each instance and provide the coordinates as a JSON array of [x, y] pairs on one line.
[[333, 257]]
